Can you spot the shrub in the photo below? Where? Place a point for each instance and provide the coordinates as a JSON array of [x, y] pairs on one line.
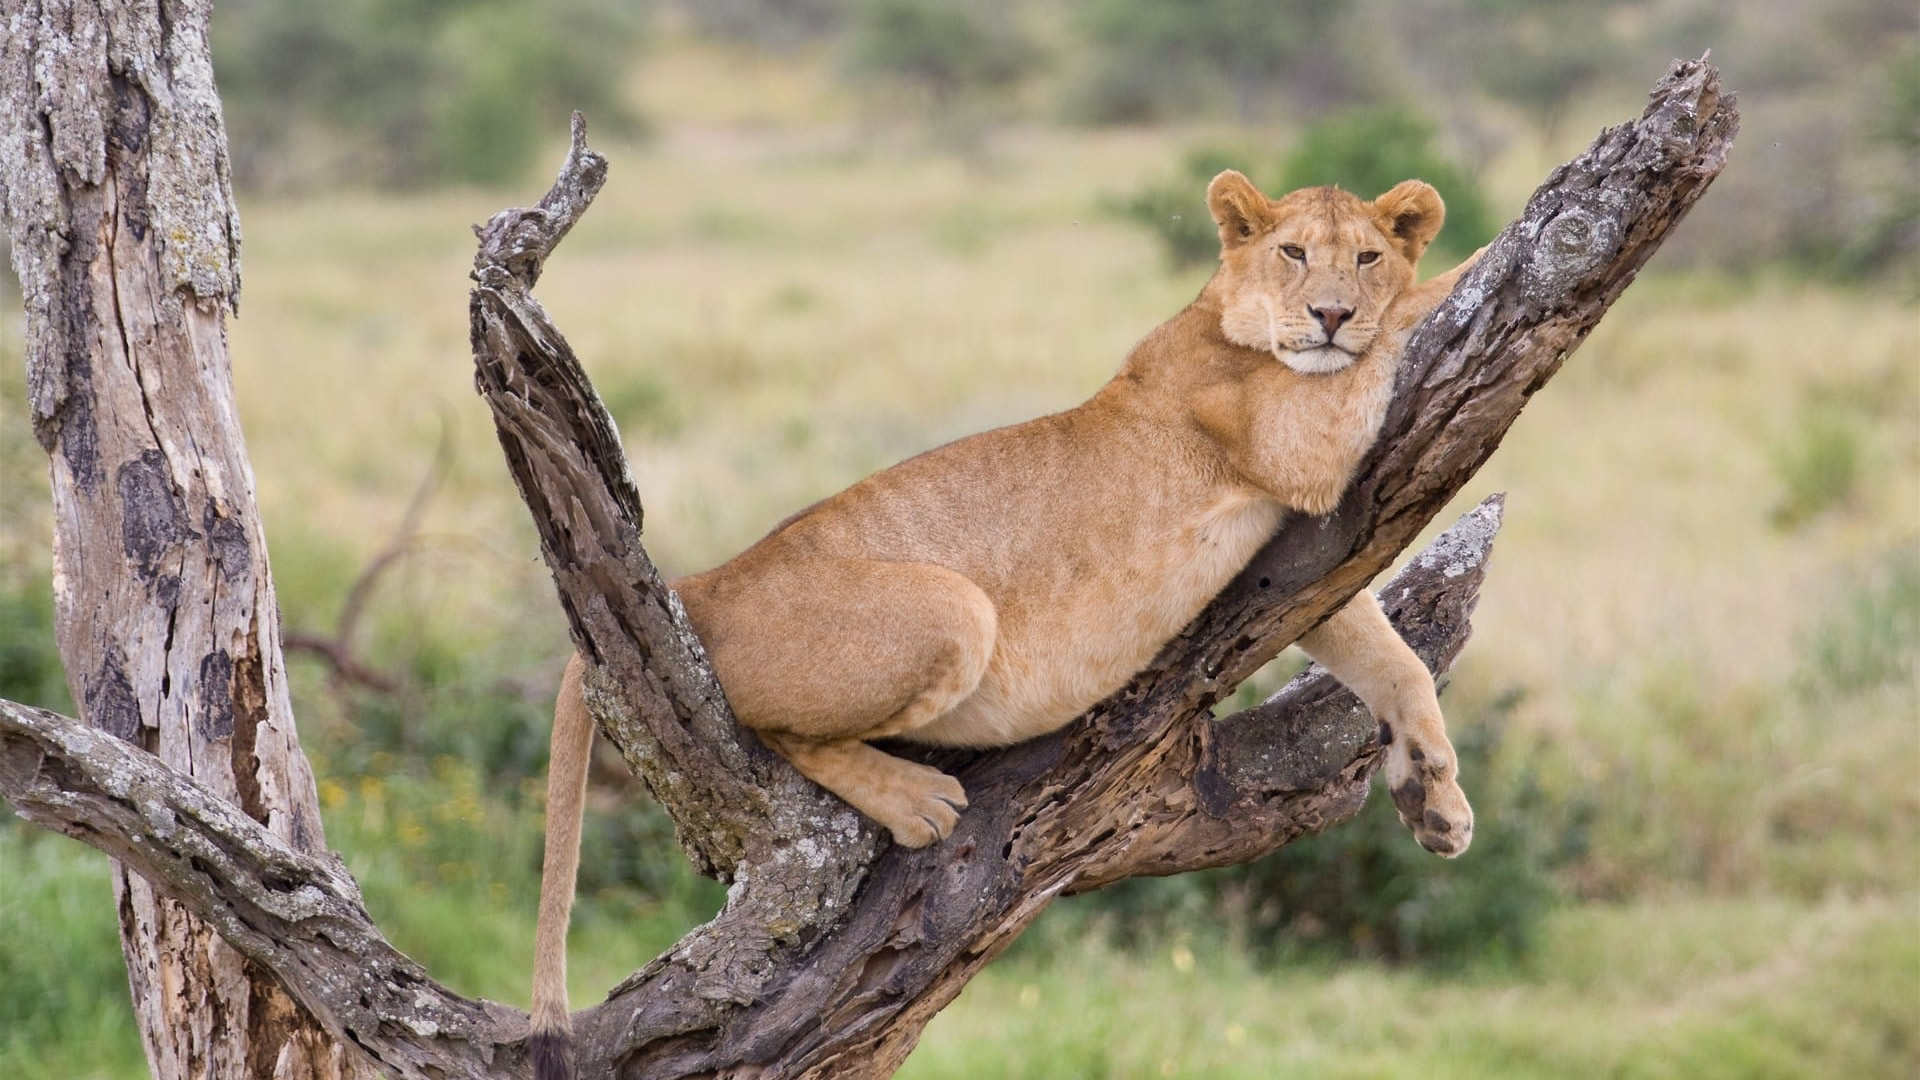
[[1152, 61], [948, 49], [440, 784], [1872, 636], [773, 24], [404, 94], [1366, 888], [1889, 244], [1366, 152], [1818, 465], [63, 986], [30, 669]]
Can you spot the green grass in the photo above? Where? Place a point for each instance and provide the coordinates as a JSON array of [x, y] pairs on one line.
[[63, 988], [1700, 613], [450, 872], [1687, 989]]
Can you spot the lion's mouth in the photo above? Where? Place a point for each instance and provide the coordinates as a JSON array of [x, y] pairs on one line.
[[1316, 361], [1312, 359]]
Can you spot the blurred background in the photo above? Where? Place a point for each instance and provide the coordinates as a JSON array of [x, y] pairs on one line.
[[838, 232]]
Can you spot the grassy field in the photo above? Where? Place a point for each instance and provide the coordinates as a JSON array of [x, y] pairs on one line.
[[1691, 990], [1705, 606], [1687, 988]]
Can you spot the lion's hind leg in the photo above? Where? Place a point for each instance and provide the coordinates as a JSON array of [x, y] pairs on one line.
[[1361, 648], [819, 655]]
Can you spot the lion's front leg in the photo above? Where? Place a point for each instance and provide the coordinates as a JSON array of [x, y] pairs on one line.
[[1423, 778], [1359, 646]]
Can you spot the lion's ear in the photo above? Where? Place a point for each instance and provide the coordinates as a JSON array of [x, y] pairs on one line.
[[1237, 207], [1411, 213]]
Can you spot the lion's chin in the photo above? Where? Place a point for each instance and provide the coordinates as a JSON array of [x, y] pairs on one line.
[[1318, 361]]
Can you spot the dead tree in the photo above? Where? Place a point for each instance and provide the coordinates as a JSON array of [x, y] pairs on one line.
[[834, 948], [115, 188]]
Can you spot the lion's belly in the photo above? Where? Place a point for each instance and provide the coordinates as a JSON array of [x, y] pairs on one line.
[[1059, 653]]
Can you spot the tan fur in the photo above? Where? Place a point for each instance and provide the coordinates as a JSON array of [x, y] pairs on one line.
[[992, 589]]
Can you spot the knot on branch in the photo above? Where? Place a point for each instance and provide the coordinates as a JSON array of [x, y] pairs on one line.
[[1570, 246]]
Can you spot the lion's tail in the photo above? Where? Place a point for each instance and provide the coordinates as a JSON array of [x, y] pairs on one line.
[[550, 1042]]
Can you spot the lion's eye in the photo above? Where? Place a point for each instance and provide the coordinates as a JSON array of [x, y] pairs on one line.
[[1368, 256], [1294, 252]]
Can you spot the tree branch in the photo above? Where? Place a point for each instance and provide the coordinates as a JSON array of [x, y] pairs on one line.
[[1222, 795], [1059, 813], [296, 915], [834, 950], [301, 918]]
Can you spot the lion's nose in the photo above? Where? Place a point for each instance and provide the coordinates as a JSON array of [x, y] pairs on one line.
[[1330, 318]]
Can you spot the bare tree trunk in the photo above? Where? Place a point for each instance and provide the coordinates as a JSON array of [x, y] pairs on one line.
[[834, 949], [113, 178]]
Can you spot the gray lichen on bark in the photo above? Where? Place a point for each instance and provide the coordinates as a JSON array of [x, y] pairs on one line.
[[115, 193], [834, 949], [74, 75]]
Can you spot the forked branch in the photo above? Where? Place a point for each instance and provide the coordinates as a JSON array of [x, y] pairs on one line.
[[301, 917], [1125, 790], [835, 949]]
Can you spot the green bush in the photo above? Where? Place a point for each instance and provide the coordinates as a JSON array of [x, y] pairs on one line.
[[1889, 244], [1175, 210], [771, 24], [64, 1009], [1368, 151], [948, 49], [440, 784], [403, 94], [1818, 465], [1150, 60], [1366, 888], [1365, 152]]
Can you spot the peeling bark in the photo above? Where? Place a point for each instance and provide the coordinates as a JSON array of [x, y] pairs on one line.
[[791, 980], [834, 949], [115, 193], [299, 915]]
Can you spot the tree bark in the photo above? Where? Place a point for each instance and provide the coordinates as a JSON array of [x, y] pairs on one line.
[[114, 187], [834, 949], [300, 917]]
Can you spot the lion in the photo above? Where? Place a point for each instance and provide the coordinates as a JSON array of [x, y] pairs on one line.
[[992, 589]]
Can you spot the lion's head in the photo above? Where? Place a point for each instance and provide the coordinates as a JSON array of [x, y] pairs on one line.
[[1308, 276]]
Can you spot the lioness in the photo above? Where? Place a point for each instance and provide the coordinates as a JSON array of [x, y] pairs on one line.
[[991, 590]]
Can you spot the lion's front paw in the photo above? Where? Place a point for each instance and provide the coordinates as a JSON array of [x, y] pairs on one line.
[[1422, 777], [920, 806]]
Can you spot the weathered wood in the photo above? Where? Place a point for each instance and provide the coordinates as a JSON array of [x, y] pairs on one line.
[[1121, 791], [114, 188], [834, 949], [291, 913], [300, 917]]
